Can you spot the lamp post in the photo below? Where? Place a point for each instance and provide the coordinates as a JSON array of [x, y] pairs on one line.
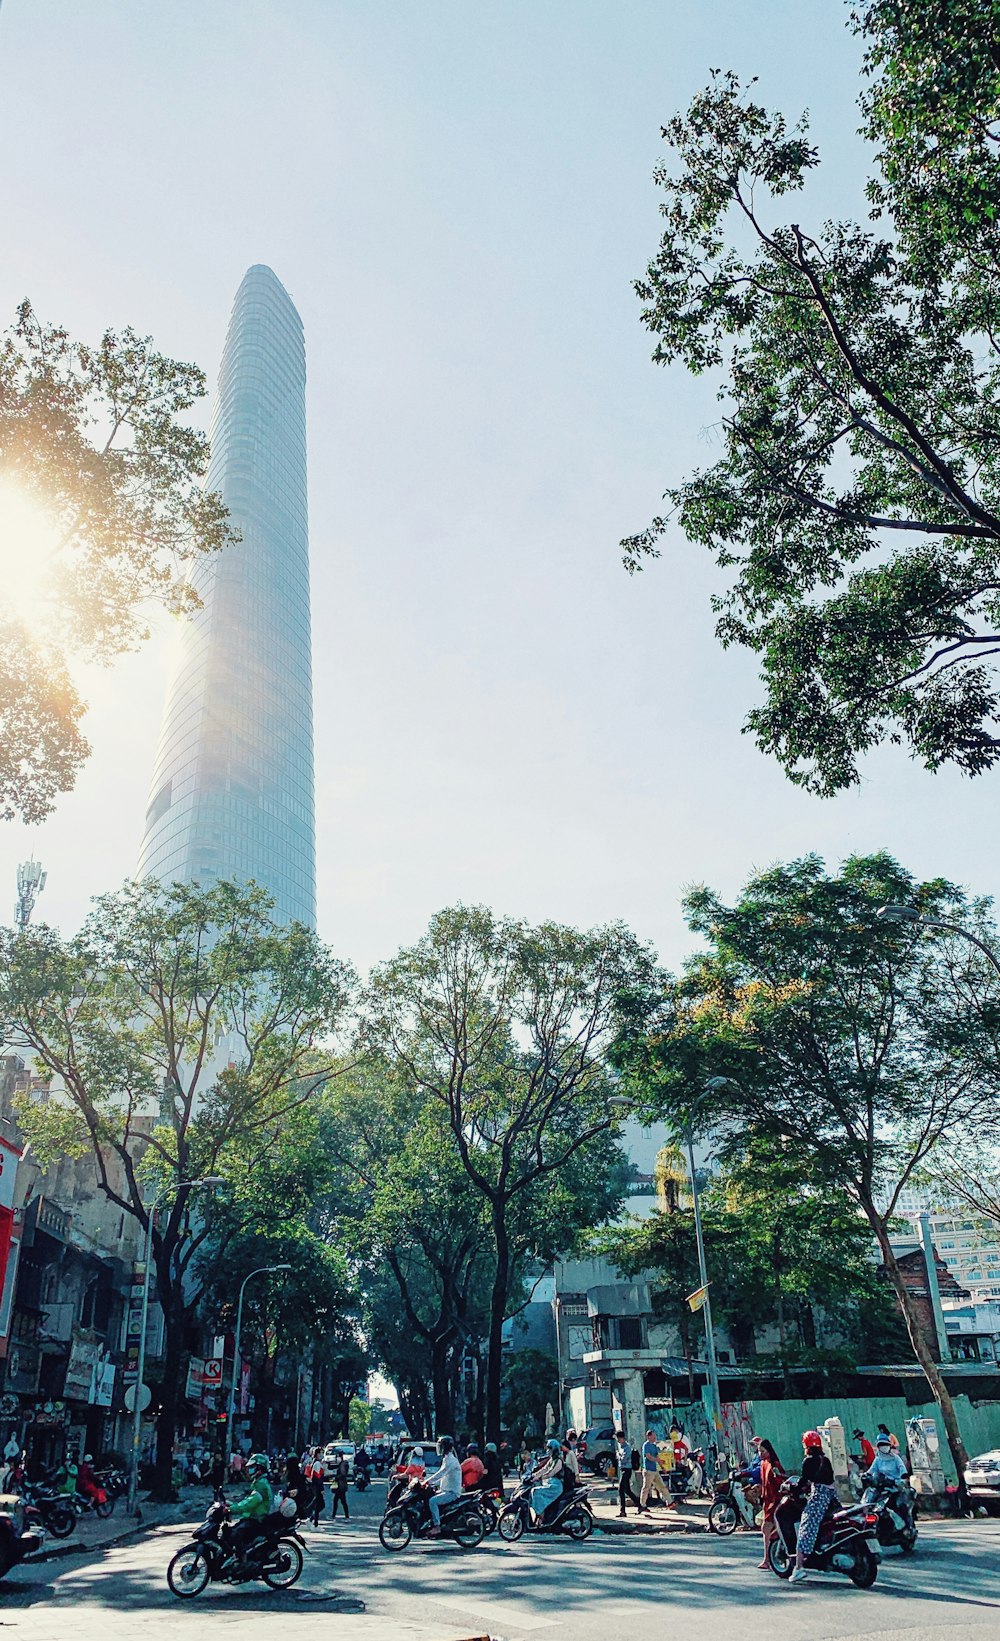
[[710, 1087], [907, 914], [262, 1270], [182, 1184]]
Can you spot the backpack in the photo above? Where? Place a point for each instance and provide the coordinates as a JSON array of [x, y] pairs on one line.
[[636, 1459]]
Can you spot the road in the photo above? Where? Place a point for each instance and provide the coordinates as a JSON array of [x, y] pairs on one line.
[[609, 1589]]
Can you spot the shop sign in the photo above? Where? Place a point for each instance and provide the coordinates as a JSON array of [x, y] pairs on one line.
[[133, 1323], [195, 1379], [102, 1389], [83, 1356]]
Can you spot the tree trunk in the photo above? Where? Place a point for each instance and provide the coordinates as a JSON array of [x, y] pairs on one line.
[[498, 1311], [932, 1372], [441, 1385], [170, 1394]]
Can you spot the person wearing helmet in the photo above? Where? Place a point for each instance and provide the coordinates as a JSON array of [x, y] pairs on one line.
[[816, 1474], [87, 1482], [549, 1479], [888, 1469], [250, 1511], [445, 1483], [493, 1469]]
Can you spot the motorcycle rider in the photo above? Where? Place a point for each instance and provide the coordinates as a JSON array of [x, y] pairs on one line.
[[888, 1467], [87, 1482], [251, 1510], [549, 1480], [493, 1474], [445, 1483], [473, 1468], [816, 1474]]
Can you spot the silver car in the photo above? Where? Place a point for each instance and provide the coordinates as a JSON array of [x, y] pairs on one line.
[[982, 1478]]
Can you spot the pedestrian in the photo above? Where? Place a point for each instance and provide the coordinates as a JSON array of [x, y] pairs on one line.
[[294, 1484], [652, 1481], [893, 1440], [341, 1475], [318, 1475], [623, 1459], [866, 1452], [771, 1477], [817, 1475]]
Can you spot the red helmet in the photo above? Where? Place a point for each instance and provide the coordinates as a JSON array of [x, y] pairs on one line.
[[811, 1438]]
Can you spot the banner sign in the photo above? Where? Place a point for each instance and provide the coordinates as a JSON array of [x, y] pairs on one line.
[[133, 1324]]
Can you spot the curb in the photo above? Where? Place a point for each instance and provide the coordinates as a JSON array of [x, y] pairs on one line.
[[645, 1529], [78, 1547]]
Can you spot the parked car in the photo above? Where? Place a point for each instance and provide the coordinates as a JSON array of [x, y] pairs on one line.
[[596, 1447], [982, 1478]]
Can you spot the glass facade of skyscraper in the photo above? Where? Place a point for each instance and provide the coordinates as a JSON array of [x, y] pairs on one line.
[[232, 792]]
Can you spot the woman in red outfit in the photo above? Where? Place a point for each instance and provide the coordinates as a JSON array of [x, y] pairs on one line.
[[771, 1477]]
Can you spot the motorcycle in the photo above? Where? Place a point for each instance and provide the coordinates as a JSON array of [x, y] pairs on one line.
[[486, 1503], [892, 1505], [845, 1543], [732, 1508], [96, 1503], [114, 1482], [55, 1510], [570, 1513], [21, 1533], [410, 1518], [362, 1477], [273, 1554], [687, 1479]]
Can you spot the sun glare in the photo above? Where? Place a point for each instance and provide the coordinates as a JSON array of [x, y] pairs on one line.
[[29, 541]]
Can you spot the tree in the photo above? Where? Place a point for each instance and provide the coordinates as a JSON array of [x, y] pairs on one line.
[[359, 1420], [856, 504], [184, 1031], [95, 439], [414, 1225], [851, 1049], [531, 1385], [508, 1029]]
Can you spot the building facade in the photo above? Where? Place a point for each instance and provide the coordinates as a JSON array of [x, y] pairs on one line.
[[232, 789]]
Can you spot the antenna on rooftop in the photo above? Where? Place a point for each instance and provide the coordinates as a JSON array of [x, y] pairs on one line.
[[30, 883]]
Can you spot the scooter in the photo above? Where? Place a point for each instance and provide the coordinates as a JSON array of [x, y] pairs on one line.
[[488, 1501], [21, 1534], [893, 1509], [411, 1518], [732, 1508], [273, 1554], [362, 1478], [569, 1514], [846, 1541]]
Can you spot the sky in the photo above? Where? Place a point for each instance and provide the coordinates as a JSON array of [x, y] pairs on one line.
[[457, 194]]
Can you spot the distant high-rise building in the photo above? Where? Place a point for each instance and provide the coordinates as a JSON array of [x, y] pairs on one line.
[[232, 792]]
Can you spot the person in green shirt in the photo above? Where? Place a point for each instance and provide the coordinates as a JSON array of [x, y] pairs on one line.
[[251, 1510]]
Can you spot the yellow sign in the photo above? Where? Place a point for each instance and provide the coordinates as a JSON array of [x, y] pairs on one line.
[[697, 1299]]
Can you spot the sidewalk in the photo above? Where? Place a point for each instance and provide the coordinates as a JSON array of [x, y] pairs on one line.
[[690, 1516], [93, 1534]]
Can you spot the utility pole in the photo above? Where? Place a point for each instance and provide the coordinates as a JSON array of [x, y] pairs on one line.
[[30, 883]]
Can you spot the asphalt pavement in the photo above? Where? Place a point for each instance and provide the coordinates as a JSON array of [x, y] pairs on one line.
[[613, 1588]]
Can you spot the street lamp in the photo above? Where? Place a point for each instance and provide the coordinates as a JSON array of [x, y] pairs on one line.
[[711, 1087], [262, 1270], [177, 1185], [907, 914]]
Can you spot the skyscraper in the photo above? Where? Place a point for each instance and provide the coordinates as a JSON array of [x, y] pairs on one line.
[[232, 791]]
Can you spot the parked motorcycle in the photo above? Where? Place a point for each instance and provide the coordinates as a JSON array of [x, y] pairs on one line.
[[891, 1503], [55, 1510], [114, 1482], [845, 1543], [732, 1508], [22, 1533], [569, 1514], [274, 1554], [410, 1518], [97, 1504], [687, 1479]]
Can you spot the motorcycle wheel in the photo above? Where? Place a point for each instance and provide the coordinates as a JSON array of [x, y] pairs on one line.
[[103, 1511], [283, 1576], [723, 1517], [511, 1526], [908, 1543], [865, 1569], [488, 1511], [778, 1559], [188, 1572], [579, 1523], [469, 1530], [395, 1532], [60, 1521]]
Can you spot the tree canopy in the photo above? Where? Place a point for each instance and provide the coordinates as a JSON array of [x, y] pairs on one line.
[[96, 439], [856, 503]]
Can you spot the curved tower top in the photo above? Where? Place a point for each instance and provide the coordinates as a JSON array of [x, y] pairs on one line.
[[232, 791]]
